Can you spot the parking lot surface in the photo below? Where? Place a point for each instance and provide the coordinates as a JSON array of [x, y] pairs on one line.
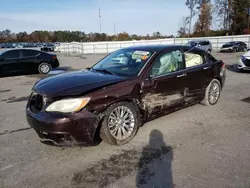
[[195, 147]]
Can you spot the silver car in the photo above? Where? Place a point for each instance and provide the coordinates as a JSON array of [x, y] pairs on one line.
[[202, 44]]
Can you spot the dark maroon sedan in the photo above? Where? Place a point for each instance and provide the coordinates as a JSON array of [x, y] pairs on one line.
[[130, 86]]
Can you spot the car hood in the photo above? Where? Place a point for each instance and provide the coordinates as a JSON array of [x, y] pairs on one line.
[[75, 83], [247, 55]]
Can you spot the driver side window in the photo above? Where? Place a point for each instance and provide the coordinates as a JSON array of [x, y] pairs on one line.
[[167, 63]]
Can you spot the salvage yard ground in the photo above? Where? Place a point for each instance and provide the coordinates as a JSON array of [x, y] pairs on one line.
[[197, 147]]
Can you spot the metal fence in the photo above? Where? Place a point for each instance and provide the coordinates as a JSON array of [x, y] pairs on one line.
[[107, 47]]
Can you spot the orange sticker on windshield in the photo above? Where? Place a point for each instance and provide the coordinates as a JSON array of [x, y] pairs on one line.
[[144, 57]]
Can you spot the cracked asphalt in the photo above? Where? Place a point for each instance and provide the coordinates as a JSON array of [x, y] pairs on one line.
[[196, 147]]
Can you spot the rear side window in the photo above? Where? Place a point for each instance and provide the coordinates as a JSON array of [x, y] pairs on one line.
[[29, 53], [193, 59], [11, 54], [205, 43]]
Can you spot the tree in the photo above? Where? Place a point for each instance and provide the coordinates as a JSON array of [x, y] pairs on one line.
[[222, 13], [192, 6], [240, 16], [203, 24], [157, 35], [182, 32], [123, 36]]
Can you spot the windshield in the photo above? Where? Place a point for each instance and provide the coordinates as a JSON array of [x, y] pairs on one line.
[[230, 43], [124, 62]]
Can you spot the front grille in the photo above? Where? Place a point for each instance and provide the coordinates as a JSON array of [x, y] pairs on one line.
[[36, 103]]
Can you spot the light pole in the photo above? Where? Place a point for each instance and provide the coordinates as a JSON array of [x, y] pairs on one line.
[[100, 20]]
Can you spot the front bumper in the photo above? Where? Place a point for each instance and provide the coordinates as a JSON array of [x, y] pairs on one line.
[[59, 129], [226, 49], [241, 65]]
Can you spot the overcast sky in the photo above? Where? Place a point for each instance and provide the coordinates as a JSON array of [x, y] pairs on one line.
[[132, 16]]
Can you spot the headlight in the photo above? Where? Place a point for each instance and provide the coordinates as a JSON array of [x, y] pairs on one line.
[[68, 105]]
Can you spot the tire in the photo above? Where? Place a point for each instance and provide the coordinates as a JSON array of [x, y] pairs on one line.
[[244, 49], [44, 68], [235, 50], [207, 101], [105, 130]]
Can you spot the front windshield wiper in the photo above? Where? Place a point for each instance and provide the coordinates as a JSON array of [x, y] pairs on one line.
[[104, 70]]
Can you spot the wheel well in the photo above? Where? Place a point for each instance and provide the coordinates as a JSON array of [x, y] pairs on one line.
[[100, 116], [219, 79]]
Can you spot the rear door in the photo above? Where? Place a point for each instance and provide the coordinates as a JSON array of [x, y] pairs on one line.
[[199, 74], [10, 62], [163, 90], [29, 60]]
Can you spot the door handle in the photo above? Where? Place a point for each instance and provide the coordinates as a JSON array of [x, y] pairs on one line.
[[181, 75], [205, 68]]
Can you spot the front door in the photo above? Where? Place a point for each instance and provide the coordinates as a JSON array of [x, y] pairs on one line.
[[164, 90], [10, 62]]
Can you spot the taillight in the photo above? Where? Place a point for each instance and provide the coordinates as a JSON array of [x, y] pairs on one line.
[[54, 57], [223, 65]]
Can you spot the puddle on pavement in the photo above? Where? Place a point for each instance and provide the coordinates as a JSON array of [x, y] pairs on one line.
[[108, 171]]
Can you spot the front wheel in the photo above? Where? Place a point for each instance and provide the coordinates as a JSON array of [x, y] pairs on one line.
[[212, 94], [44, 68], [120, 124]]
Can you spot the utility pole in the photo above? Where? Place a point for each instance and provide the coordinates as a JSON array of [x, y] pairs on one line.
[[114, 29], [100, 20]]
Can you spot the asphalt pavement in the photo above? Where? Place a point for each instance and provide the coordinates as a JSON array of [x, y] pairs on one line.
[[196, 147]]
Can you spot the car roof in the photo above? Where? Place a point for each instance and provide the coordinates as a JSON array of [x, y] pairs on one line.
[[20, 49], [159, 48], [199, 40]]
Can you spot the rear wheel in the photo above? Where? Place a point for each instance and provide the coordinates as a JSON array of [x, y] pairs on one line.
[[212, 94], [44, 68], [120, 124], [245, 50]]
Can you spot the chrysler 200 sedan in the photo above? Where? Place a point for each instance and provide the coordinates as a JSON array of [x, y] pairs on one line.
[[128, 87]]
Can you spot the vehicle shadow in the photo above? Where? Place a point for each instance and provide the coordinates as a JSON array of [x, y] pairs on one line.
[[55, 71], [155, 173], [234, 68]]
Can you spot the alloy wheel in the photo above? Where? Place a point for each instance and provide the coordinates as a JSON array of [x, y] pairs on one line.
[[214, 93], [121, 122], [45, 68]]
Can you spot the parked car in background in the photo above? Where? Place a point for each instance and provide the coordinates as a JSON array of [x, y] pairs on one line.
[[202, 44], [26, 61], [48, 48], [244, 62], [114, 97], [235, 46]]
